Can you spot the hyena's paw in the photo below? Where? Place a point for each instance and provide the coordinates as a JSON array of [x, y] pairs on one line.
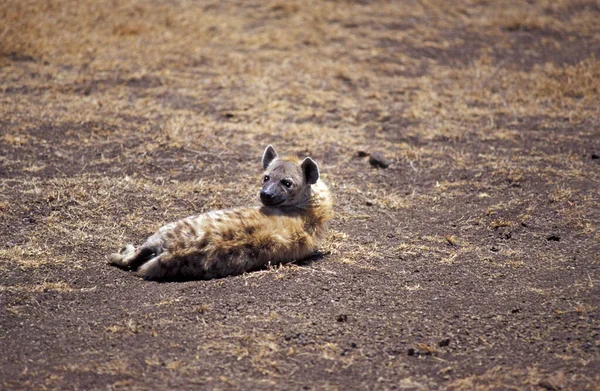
[[115, 259], [128, 249]]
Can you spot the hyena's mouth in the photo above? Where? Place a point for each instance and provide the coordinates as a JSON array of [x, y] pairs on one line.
[[273, 203]]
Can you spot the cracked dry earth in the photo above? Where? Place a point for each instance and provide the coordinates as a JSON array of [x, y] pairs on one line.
[[471, 262]]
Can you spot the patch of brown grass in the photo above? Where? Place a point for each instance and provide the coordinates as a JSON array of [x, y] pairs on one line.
[[60, 287]]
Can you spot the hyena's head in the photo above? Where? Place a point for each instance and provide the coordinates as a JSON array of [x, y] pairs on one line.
[[286, 181]]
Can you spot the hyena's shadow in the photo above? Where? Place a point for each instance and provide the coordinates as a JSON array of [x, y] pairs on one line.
[[308, 261], [303, 263]]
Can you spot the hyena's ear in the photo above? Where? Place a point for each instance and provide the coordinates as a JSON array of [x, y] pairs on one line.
[[310, 170], [268, 156]]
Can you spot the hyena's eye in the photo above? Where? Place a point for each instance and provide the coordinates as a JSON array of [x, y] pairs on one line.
[[286, 183], [266, 178]]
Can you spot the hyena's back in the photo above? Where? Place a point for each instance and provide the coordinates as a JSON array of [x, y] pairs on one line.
[[222, 243]]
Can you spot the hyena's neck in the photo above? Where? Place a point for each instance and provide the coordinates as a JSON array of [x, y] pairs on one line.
[[318, 205]]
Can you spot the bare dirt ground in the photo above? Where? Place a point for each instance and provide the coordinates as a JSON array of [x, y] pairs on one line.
[[472, 262]]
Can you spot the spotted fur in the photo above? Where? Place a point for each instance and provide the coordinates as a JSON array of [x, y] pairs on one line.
[[287, 227]]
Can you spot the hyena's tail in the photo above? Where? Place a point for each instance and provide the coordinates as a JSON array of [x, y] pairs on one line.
[[130, 258]]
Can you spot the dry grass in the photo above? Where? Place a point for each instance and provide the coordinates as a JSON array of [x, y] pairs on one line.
[[60, 287]]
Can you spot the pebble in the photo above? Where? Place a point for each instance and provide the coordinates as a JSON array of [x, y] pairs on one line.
[[378, 160], [553, 237], [342, 318]]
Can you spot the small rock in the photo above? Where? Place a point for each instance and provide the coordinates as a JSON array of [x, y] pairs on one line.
[[292, 335], [342, 318], [444, 342], [394, 351], [362, 153], [378, 160], [369, 203], [553, 237]]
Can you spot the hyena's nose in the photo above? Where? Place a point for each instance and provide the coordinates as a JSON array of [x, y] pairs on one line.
[[266, 197]]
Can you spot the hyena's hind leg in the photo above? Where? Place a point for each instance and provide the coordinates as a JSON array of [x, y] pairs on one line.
[[154, 269], [130, 258]]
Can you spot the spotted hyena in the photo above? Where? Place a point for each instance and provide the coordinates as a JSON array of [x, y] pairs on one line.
[[296, 206]]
